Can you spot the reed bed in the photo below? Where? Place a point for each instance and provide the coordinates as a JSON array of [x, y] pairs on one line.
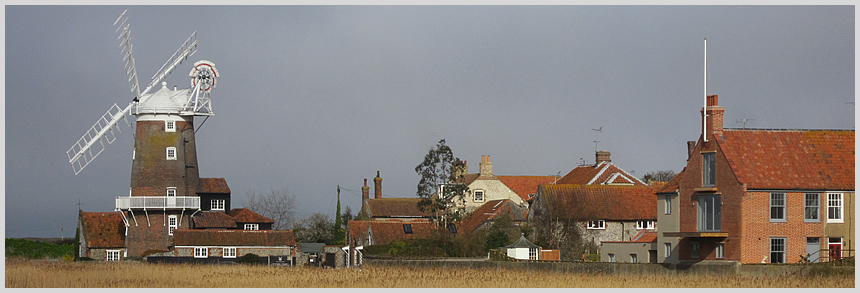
[[59, 274]]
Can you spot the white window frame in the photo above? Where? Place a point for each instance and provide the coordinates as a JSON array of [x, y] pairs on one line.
[[201, 252], [172, 224], [596, 225], [778, 248], [611, 257], [668, 206], [835, 207], [171, 191], [634, 258], [533, 253], [644, 224], [228, 252], [694, 249], [812, 206], [217, 204], [169, 126], [721, 250], [252, 226], [709, 168], [112, 255], [667, 247], [171, 153], [778, 210], [483, 196]]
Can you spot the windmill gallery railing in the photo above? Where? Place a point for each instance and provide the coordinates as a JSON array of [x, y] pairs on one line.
[[157, 202]]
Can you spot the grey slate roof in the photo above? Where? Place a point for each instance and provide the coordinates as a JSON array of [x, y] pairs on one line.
[[522, 243]]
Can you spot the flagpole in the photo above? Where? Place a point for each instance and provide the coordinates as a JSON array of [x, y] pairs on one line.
[[705, 107]]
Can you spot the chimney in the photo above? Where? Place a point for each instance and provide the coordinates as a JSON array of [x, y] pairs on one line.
[[601, 156], [365, 192], [377, 186], [486, 166], [714, 119], [691, 146]]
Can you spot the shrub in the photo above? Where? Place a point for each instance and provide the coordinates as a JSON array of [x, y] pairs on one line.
[[249, 258], [36, 249]]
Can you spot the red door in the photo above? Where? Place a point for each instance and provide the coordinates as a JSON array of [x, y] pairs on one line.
[[835, 251]]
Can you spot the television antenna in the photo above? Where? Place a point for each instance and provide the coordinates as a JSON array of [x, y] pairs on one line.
[[744, 121], [597, 131]]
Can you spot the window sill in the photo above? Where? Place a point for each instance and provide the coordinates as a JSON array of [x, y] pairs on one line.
[[835, 221], [778, 221], [812, 221]]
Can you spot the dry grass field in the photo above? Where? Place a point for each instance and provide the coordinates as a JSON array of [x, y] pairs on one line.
[[22, 273]]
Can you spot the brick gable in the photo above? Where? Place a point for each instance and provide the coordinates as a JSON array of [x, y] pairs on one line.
[[103, 230]]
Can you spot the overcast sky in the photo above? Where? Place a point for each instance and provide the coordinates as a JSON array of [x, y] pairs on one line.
[[309, 98]]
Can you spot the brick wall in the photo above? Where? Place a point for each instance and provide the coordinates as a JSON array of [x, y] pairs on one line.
[[152, 235], [151, 172]]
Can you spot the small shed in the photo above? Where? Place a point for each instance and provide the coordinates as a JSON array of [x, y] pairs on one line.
[[523, 249]]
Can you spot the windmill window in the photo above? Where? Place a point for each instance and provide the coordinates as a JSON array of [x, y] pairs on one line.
[[171, 191], [407, 228], [171, 224], [171, 153], [169, 126]]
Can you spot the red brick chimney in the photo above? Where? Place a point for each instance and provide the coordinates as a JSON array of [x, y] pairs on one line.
[[601, 156], [714, 119], [365, 192], [377, 186]]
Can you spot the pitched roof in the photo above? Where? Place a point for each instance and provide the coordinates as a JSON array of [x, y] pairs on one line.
[[600, 202], [311, 247], [243, 215], [644, 236], [213, 185], [522, 243], [395, 207], [213, 219], [188, 237], [672, 184], [386, 230], [490, 211], [103, 230], [791, 159], [525, 186], [602, 173]]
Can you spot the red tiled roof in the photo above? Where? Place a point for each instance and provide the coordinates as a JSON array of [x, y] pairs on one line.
[[490, 211], [211, 219], [103, 230], [791, 159], [248, 216], [395, 207], [386, 230], [599, 174], [644, 236], [213, 185], [189, 237], [673, 183], [606, 202], [525, 185]]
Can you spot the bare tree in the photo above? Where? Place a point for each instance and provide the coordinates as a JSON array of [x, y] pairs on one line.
[[277, 204], [316, 228], [663, 176]]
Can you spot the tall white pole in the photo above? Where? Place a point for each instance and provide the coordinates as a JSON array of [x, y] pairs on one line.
[[705, 107]]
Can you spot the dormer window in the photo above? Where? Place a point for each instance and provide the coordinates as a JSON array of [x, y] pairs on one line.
[[217, 204], [252, 226], [170, 126]]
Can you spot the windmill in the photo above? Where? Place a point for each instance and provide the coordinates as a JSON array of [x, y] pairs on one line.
[[169, 106]]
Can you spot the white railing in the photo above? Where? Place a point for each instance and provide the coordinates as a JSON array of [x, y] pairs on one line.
[[157, 202]]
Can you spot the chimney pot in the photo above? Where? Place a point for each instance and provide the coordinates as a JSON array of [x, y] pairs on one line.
[[377, 186]]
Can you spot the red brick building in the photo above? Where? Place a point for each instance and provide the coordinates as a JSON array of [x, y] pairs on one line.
[[765, 195]]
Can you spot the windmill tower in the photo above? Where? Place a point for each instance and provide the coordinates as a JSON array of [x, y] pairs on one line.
[[164, 176]]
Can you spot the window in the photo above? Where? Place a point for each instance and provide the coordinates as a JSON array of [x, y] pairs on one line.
[[709, 207], [721, 250], [228, 252], [611, 257], [533, 252], [171, 224], [201, 252], [668, 207], [171, 191], [452, 228], [634, 258], [171, 153], [598, 224], [834, 208], [644, 224], [252, 226], [217, 204], [169, 126], [811, 207], [112, 255], [777, 250], [407, 228], [479, 195], [667, 249], [708, 169], [777, 207], [694, 249]]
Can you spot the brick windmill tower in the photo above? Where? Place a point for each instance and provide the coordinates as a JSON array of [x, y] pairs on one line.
[[166, 188]]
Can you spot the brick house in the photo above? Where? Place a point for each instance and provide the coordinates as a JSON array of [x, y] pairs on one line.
[[602, 172], [485, 186], [601, 212], [383, 220], [765, 195]]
